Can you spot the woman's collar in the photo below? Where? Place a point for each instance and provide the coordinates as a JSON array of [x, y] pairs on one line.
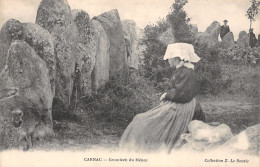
[[185, 64]]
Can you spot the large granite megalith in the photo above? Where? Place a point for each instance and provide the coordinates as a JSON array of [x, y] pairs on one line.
[[112, 25], [55, 16], [26, 77], [87, 56], [210, 36], [41, 41], [130, 34], [99, 45], [37, 37]]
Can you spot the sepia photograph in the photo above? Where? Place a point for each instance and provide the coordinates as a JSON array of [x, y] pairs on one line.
[[130, 83]]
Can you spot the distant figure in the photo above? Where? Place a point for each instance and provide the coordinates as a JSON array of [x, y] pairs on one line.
[[127, 46], [224, 29], [76, 86], [252, 38]]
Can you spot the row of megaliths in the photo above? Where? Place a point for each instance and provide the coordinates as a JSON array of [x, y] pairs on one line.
[[244, 39], [63, 51], [210, 37]]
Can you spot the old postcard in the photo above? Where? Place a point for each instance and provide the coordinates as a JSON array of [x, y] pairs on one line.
[[133, 83]]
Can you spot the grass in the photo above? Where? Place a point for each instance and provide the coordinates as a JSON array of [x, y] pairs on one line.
[[99, 122]]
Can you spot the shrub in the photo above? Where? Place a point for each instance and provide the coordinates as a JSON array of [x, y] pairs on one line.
[[152, 61], [208, 70], [155, 68], [240, 55], [180, 22], [118, 103]]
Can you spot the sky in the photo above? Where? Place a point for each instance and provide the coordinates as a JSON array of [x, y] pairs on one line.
[[143, 12]]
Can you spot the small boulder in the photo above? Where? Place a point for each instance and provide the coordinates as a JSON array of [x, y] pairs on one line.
[[204, 137], [246, 141]]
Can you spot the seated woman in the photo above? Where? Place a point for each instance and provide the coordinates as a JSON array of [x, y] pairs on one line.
[[160, 128]]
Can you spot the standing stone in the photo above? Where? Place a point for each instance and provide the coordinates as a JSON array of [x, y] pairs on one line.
[[210, 36], [98, 46], [35, 36], [194, 31], [140, 47], [113, 27], [40, 40], [228, 40], [194, 28], [11, 30], [86, 64], [55, 16], [86, 50], [243, 39], [258, 40], [131, 41], [27, 74], [100, 74]]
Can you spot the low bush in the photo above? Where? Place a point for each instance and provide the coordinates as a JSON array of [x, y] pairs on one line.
[[240, 55], [208, 70], [118, 102]]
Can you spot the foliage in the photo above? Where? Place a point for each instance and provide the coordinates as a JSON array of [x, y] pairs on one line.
[[154, 66], [153, 63], [158, 70], [208, 70], [240, 55], [119, 101], [241, 80], [179, 22], [252, 11]]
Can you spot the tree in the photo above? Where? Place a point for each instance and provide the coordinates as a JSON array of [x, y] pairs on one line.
[[153, 54], [179, 22], [252, 11], [154, 67]]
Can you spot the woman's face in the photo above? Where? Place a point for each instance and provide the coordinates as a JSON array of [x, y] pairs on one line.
[[174, 62]]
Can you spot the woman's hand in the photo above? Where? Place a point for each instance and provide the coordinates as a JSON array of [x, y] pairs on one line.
[[162, 97]]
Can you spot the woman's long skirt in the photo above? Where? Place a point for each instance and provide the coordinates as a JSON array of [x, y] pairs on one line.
[[159, 128]]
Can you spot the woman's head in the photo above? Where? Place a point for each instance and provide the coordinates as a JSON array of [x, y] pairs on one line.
[[174, 61], [182, 50]]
